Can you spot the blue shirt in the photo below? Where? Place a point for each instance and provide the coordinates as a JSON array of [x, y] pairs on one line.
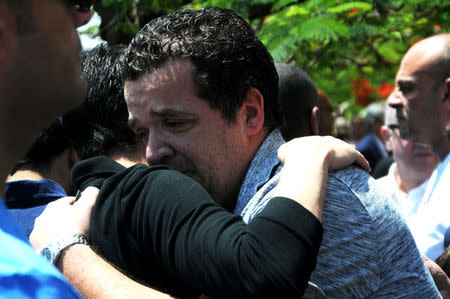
[[372, 149], [26, 199], [23, 273], [367, 249]]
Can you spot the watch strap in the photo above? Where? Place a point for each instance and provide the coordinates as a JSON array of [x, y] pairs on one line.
[[53, 250]]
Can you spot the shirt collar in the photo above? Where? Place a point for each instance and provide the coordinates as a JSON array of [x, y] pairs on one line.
[[30, 193], [263, 166]]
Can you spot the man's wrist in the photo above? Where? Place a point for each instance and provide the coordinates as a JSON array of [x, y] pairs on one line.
[[53, 251]]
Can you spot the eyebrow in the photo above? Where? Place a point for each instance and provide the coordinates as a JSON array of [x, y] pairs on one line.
[[167, 112], [170, 112], [405, 81]]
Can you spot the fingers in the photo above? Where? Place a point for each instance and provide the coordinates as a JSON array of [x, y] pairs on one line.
[[64, 217], [68, 200], [88, 197], [334, 152], [362, 162]]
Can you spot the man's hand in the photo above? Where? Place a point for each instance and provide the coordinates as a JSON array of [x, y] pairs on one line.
[[307, 161], [337, 153], [64, 217], [441, 279]]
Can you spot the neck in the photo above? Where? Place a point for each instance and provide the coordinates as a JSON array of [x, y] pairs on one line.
[[126, 162], [230, 199], [24, 175], [406, 180]]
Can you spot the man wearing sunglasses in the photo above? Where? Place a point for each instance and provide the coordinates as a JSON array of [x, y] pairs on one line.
[[39, 79]]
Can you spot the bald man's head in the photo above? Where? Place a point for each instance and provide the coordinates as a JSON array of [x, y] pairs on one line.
[[422, 93], [431, 55]]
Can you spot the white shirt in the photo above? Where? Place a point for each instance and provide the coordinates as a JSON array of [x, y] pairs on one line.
[[426, 208], [407, 204], [433, 215]]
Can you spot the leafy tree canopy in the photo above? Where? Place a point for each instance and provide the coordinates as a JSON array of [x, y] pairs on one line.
[[351, 49]]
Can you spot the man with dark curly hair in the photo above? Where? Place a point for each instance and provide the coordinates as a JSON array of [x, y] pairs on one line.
[[201, 91]]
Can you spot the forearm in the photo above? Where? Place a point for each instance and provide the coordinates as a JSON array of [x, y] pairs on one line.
[[274, 254], [173, 224], [95, 278]]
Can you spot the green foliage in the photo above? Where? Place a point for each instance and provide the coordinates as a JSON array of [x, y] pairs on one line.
[[341, 8], [335, 41]]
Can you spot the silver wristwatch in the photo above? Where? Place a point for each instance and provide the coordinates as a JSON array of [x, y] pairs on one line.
[[53, 250]]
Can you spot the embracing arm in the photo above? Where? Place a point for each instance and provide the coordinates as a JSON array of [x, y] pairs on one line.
[[307, 161], [215, 252], [276, 254], [87, 271], [95, 278]]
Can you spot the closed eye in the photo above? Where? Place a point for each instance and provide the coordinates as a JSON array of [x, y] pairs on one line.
[[179, 125]]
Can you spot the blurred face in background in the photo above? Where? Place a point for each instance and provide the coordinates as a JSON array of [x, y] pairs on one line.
[[415, 160], [40, 70]]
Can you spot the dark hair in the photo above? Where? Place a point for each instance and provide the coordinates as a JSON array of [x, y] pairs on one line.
[[82, 5], [227, 57], [100, 125], [51, 142], [100, 69], [297, 95]]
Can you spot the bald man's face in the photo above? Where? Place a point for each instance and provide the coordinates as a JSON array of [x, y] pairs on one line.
[[419, 99]]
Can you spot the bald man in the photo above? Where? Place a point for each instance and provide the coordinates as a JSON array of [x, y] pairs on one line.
[[422, 102]]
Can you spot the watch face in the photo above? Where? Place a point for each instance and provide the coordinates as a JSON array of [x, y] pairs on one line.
[[48, 254], [52, 251]]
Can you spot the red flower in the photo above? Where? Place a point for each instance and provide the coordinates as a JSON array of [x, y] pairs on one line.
[[353, 11], [384, 90], [362, 90]]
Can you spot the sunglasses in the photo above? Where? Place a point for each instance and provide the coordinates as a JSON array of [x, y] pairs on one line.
[[393, 127], [82, 5]]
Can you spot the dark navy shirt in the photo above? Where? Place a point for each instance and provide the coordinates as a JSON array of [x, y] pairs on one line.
[[26, 199]]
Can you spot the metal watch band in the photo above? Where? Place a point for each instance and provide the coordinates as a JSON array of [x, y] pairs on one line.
[[53, 250]]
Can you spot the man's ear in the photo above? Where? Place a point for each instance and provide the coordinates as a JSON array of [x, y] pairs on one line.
[[384, 131], [314, 121], [253, 111]]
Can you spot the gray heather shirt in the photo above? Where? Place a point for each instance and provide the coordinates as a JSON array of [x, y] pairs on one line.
[[367, 249]]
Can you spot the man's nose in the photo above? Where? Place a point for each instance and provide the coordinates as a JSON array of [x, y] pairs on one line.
[[158, 151], [395, 99]]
